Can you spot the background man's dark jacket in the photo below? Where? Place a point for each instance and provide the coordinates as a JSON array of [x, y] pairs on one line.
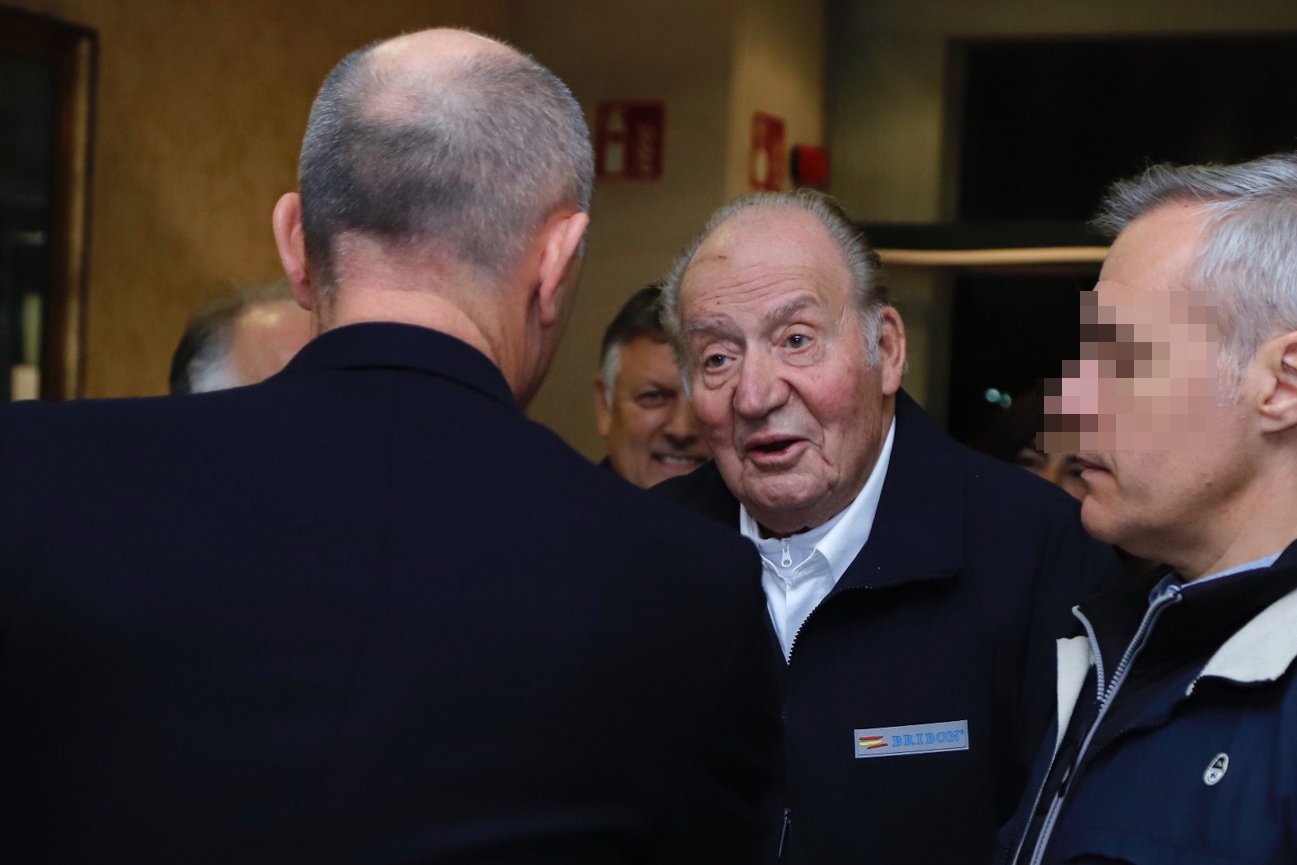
[[363, 612], [947, 615]]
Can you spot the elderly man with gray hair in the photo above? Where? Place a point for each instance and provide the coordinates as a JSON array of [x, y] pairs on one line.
[[239, 340], [913, 587], [366, 611], [1176, 734]]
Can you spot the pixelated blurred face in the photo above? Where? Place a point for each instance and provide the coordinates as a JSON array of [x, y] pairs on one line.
[[649, 429], [1159, 445], [786, 397]]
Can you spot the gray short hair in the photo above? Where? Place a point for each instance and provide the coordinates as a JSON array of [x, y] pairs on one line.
[[470, 162], [201, 361], [1248, 255], [640, 316], [861, 260]]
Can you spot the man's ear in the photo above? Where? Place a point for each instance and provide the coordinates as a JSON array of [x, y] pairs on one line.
[[602, 414], [291, 242], [1278, 366], [560, 240], [892, 350]]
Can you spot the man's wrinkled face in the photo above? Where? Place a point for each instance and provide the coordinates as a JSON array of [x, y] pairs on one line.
[[793, 411], [649, 428], [1159, 443]]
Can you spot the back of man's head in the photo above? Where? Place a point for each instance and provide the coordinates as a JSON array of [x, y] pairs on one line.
[[459, 154], [239, 340]]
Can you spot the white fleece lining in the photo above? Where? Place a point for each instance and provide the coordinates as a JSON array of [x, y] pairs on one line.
[[1262, 649], [1073, 665]]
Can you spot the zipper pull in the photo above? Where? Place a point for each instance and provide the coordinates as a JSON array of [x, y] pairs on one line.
[[788, 556], [783, 833], [1063, 782]]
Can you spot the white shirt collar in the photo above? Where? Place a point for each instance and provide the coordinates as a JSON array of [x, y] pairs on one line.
[[798, 572], [849, 530]]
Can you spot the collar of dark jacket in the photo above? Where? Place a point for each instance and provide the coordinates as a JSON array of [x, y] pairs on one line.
[[389, 345], [1244, 624], [919, 512]]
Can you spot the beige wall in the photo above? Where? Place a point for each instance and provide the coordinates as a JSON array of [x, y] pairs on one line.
[[200, 110], [201, 106], [887, 113], [712, 64], [778, 69], [676, 51]]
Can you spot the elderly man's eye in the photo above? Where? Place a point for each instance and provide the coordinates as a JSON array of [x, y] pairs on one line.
[[797, 340], [714, 361], [652, 398]]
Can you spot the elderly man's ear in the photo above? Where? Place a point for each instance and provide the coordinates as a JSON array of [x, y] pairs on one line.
[[291, 242], [891, 348], [1275, 365]]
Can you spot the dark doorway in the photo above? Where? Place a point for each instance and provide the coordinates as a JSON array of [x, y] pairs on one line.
[[1043, 127], [1009, 331], [46, 72]]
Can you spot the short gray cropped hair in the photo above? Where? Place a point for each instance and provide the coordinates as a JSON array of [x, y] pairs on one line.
[[861, 260], [470, 162], [1248, 254]]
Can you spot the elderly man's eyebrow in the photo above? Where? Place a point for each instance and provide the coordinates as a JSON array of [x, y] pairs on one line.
[[715, 325], [785, 311]]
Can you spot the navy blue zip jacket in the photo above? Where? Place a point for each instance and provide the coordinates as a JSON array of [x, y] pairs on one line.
[[942, 630], [364, 612], [1180, 729]]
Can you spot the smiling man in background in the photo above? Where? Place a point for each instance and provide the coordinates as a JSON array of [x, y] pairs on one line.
[[644, 416], [1176, 736], [913, 587]]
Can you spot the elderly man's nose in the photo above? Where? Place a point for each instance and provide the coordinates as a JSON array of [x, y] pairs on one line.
[[760, 388]]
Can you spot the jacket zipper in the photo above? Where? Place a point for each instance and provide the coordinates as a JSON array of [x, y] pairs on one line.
[[783, 832], [1170, 597], [788, 812]]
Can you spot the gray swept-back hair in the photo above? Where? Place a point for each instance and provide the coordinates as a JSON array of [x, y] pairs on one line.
[[201, 361], [1248, 255], [862, 262], [639, 316], [469, 162]]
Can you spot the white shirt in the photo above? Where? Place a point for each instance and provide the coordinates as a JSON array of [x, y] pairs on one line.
[[799, 571]]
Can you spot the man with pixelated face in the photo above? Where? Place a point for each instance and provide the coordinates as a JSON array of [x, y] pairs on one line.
[[1176, 716], [912, 586]]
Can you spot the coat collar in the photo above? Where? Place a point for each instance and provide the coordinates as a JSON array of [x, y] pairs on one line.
[[388, 345], [1262, 650], [918, 531]]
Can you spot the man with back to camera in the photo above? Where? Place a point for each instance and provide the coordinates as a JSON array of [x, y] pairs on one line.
[[913, 586], [643, 414], [366, 611], [239, 340], [1176, 735]]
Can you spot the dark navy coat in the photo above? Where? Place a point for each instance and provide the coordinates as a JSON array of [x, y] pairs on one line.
[[1194, 759], [942, 629], [364, 612]]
